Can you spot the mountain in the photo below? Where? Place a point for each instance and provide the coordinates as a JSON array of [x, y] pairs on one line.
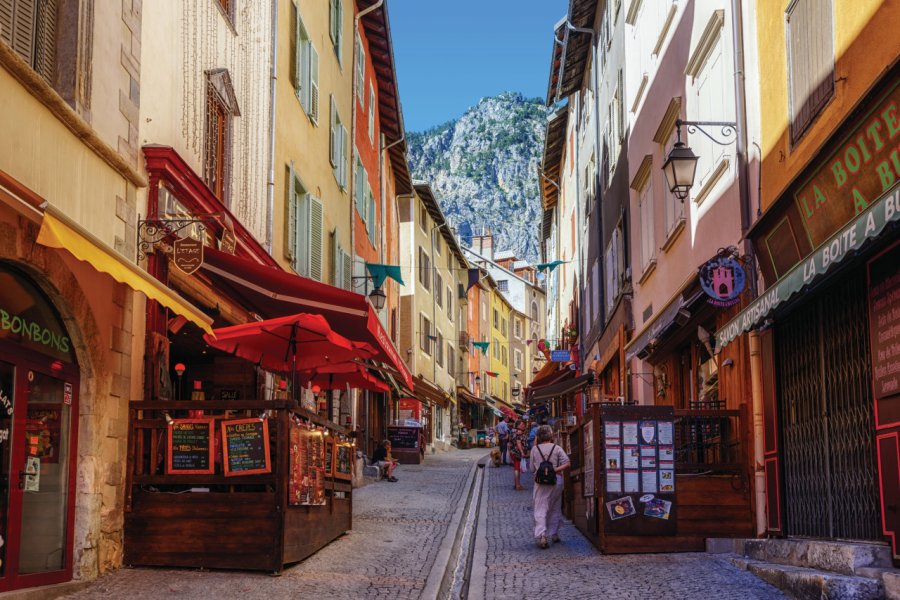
[[483, 170]]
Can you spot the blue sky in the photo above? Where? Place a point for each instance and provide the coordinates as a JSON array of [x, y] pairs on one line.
[[450, 54]]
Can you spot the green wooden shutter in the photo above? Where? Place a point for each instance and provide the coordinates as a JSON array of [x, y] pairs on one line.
[[295, 46], [301, 237], [290, 215], [345, 156], [316, 217], [336, 264], [360, 69]]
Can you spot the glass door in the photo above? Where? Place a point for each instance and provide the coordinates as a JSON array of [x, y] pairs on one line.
[[45, 475], [7, 406]]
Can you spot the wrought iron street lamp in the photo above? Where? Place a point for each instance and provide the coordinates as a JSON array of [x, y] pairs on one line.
[[681, 164], [378, 298]]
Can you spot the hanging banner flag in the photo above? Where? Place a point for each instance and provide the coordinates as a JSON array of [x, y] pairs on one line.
[[550, 265], [490, 373], [483, 346], [380, 272]]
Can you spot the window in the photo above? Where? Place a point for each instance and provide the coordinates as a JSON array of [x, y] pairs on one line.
[[496, 346], [810, 48], [360, 70], [305, 216], [437, 244], [439, 344], [215, 156], [449, 303], [503, 285], [424, 269], [518, 360], [360, 185], [336, 29], [648, 244], [29, 28], [614, 267], [589, 171], [438, 289], [394, 325], [305, 68], [518, 328], [503, 357], [496, 319], [505, 391], [338, 145], [451, 359], [341, 263], [616, 125], [423, 218], [503, 326], [534, 312], [371, 216], [371, 113], [425, 334]]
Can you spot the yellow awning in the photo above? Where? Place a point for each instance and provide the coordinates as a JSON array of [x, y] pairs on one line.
[[59, 231]]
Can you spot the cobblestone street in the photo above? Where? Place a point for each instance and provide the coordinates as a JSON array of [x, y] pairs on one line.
[[509, 565], [400, 533], [397, 533]]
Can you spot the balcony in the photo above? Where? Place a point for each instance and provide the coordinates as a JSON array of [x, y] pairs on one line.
[[464, 341]]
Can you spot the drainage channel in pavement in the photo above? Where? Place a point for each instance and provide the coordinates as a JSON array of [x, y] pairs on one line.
[[455, 585]]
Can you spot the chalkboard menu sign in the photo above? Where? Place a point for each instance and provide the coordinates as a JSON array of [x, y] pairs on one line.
[[404, 437], [190, 447], [329, 457], [246, 447], [884, 334]]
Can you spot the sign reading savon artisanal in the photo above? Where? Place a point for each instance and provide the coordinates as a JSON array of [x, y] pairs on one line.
[[866, 226]]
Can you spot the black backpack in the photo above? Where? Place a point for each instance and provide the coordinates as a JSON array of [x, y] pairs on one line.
[[546, 473]]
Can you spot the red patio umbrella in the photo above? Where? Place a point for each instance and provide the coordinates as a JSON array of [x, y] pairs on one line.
[[340, 375], [299, 342]]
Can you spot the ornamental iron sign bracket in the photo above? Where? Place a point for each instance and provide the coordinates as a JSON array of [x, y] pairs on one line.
[[158, 234]]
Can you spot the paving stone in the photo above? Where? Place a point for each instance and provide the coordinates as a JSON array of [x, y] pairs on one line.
[[516, 568]]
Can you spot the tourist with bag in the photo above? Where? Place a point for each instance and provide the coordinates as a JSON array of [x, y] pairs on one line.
[[516, 448], [548, 463]]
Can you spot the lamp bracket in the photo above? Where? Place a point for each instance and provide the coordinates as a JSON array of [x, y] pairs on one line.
[[728, 129]]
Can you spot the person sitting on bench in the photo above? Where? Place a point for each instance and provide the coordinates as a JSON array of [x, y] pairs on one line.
[[383, 459]]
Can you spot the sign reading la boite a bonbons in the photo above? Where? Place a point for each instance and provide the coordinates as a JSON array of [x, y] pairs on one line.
[[865, 165]]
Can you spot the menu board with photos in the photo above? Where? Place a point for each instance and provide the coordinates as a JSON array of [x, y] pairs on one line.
[[306, 486], [638, 469], [588, 471]]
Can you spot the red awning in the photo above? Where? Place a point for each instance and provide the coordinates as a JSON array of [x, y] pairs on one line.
[[276, 293]]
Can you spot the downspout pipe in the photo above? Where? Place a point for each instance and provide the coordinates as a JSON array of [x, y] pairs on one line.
[[270, 184], [755, 351], [382, 158], [354, 92]]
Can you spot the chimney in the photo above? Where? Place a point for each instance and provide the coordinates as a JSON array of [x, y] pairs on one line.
[[484, 244]]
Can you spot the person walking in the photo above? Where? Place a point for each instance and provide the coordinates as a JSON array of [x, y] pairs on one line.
[[548, 486], [517, 444], [503, 433]]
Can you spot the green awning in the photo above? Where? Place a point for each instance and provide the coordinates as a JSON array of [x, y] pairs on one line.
[[867, 226]]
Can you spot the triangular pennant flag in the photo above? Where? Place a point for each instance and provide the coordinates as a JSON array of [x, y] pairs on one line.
[[490, 373], [550, 265], [474, 277], [380, 272], [483, 346]]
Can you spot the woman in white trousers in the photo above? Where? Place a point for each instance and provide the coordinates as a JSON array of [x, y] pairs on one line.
[[547, 498]]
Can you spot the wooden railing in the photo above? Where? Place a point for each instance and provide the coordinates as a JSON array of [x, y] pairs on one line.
[[147, 441], [710, 441]]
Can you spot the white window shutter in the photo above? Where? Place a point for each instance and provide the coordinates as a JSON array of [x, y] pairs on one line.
[[336, 276], [305, 88], [345, 156], [313, 84], [315, 238], [360, 70], [339, 28], [333, 141], [347, 270]]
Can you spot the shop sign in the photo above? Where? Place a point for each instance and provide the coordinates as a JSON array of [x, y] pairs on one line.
[[884, 334], [846, 241], [560, 355], [722, 279], [187, 254], [34, 331], [865, 165], [67, 393]]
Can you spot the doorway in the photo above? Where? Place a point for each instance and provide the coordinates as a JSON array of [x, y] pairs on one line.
[[38, 425], [830, 478]]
